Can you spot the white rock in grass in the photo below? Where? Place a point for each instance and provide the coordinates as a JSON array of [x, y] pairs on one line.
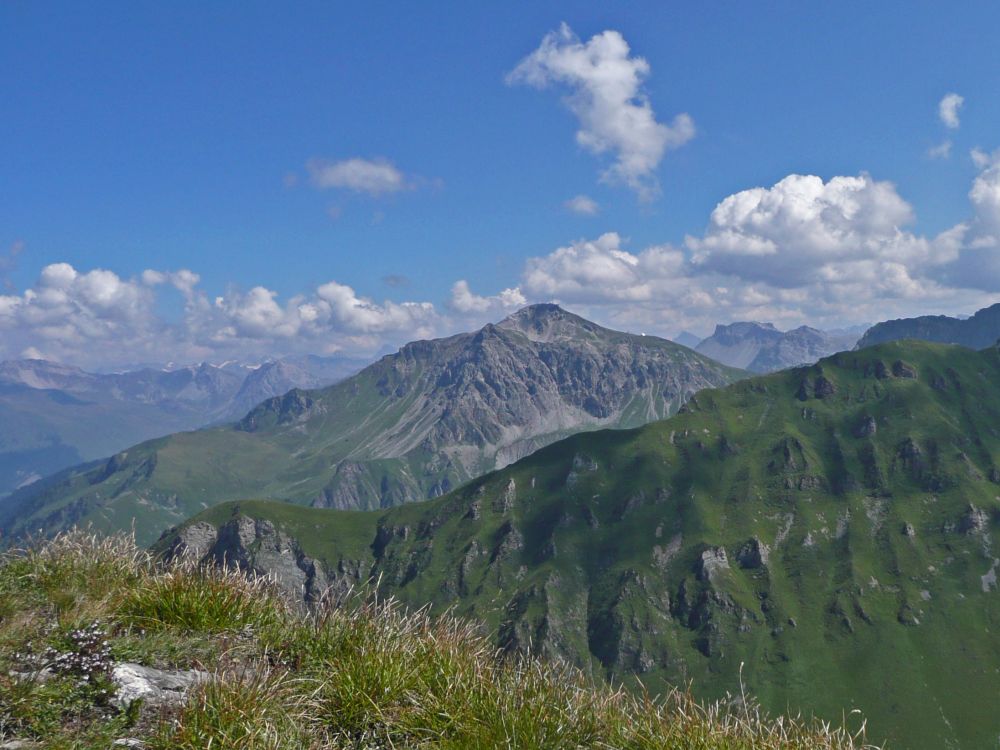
[[155, 686]]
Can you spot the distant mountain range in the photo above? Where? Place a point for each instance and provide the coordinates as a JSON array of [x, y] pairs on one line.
[[760, 347], [53, 416], [411, 426], [825, 537], [976, 332]]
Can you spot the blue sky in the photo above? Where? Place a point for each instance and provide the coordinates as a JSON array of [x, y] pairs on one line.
[[388, 149]]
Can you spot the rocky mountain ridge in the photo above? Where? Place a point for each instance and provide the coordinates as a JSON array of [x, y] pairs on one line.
[[760, 347], [411, 426], [825, 535], [976, 332]]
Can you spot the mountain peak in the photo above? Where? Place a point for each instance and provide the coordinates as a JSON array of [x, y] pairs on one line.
[[743, 327], [547, 322], [540, 311]]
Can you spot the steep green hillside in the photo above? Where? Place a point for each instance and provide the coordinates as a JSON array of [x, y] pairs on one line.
[[833, 528], [411, 426]]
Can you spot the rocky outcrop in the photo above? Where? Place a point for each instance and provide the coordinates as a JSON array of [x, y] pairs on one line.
[[974, 521], [258, 546], [866, 427], [753, 555], [712, 563]]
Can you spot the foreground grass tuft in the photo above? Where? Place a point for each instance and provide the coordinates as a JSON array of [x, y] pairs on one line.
[[361, 675], [199, 599]]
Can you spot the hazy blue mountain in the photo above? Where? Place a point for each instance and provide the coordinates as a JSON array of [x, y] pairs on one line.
[[976, 332], [53, 416], [760, 347]]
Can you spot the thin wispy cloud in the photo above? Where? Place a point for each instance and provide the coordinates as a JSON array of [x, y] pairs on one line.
[[940, 151], [948, 110], [396, 280], [582, 205], [373, 177], [8, 262]]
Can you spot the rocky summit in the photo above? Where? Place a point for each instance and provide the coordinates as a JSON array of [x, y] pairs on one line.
[[827, 535], [760, 347], [413, 425]]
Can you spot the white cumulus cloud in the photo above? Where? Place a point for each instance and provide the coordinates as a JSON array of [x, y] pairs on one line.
[[979, 263], [97, 318], [604, 82], [803, 229], [465, 301], [827, 253], [67, 311], [600, 271]]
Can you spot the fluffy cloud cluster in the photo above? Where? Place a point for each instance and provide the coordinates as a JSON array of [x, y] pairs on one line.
[[978, 265], [99, 318], [804, 229], [465, 302], [804, 250], [985, 198], [600, 271], [605, 93], [67, 310]]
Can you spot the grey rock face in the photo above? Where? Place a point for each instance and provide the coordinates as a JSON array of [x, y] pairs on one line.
[[713, 561], [257, 546], [974, 521]]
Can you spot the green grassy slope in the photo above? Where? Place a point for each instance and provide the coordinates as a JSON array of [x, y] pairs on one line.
[[410, 426], [78, 610], [832, 528]]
